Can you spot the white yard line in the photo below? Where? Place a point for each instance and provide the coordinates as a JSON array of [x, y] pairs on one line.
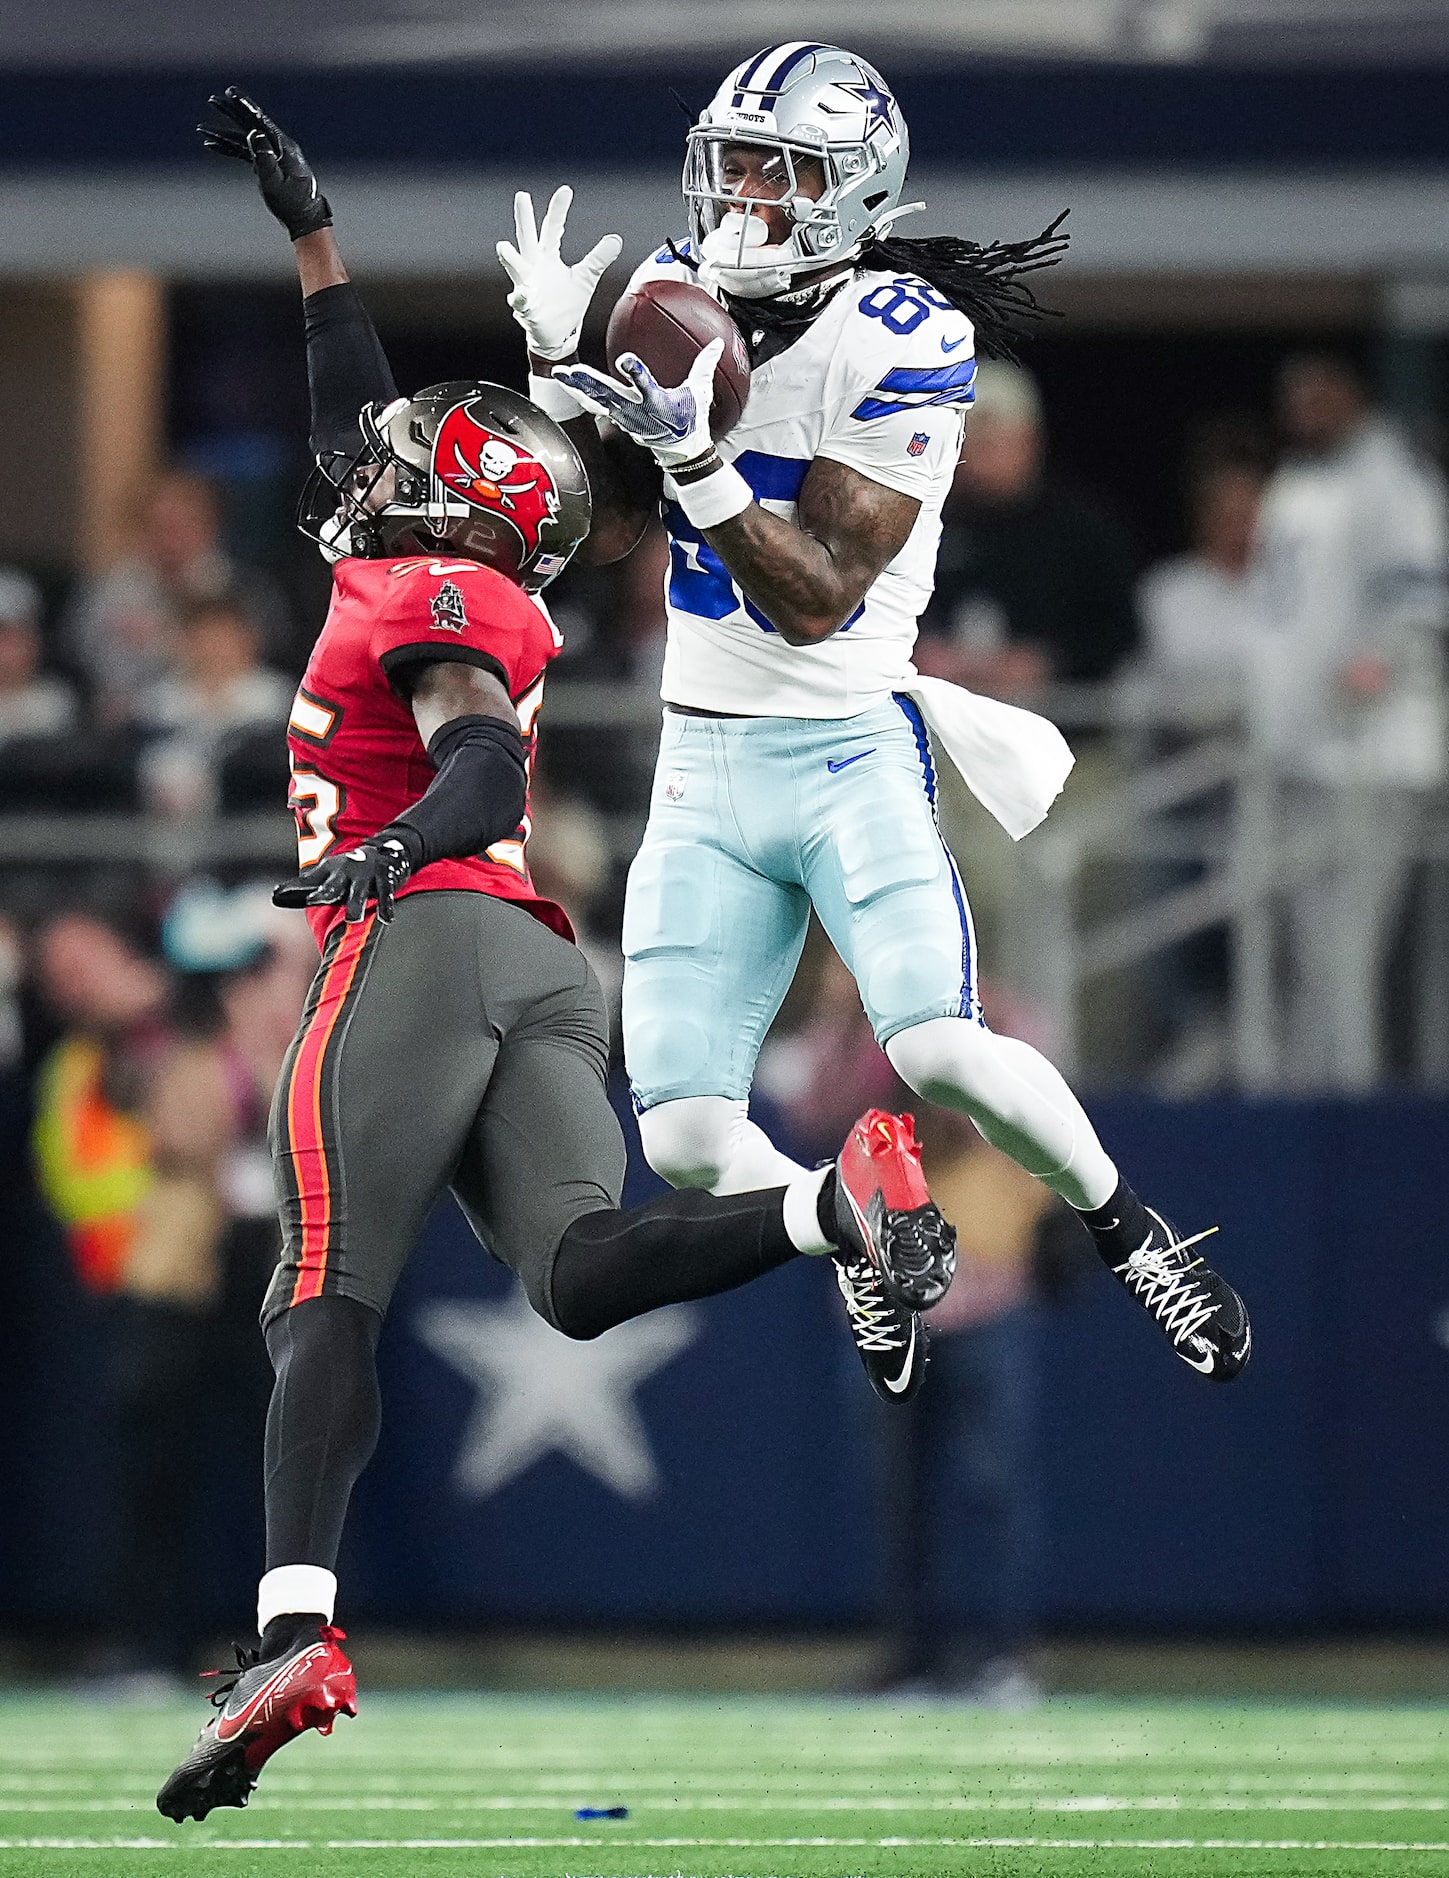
[[579, 1842], [805, 1803]]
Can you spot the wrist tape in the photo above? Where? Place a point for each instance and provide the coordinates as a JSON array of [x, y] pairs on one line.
[[710, 492]]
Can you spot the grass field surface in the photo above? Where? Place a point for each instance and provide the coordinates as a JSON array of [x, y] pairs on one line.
[[453, 1786]]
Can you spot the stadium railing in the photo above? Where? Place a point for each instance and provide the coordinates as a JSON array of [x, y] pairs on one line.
[[1180, 814]]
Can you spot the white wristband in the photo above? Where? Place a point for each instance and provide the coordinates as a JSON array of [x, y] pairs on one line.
[[718, 497], [554, 399]]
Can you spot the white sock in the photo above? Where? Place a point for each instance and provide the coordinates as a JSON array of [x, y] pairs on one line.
[[288, 1588], [802, 1215], [1017, 1099]]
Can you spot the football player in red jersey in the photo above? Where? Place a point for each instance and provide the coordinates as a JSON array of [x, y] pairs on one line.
[[453, 1036]]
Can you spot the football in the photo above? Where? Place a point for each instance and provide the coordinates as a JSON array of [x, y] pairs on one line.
[[668, 323]]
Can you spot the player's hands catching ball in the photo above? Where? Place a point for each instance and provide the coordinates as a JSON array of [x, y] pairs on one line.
[[283, 174], [550, 298], [670, 421], [350, 878]]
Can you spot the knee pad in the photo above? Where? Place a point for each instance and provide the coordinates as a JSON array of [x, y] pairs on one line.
[[691, 1142]]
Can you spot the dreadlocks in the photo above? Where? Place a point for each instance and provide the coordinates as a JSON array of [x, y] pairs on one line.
[[987, 283]]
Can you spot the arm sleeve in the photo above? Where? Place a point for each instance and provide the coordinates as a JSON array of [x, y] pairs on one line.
[[346, 368], [479, 795]]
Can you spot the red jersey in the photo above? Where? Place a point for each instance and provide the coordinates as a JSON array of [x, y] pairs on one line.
[[357, 759]]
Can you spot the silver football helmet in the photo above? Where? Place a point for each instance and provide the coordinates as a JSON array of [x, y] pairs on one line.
[[800, 100]]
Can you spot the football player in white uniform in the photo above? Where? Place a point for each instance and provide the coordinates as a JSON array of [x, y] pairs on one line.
[[797, 761]]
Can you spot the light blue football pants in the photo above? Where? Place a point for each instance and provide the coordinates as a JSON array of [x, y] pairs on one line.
[[753, 821]]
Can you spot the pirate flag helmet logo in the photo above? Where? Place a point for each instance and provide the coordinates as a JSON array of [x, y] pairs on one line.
[[492, 473]]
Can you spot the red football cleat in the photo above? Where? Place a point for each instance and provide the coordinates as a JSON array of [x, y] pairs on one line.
[[268, 1705], [884, 1212]]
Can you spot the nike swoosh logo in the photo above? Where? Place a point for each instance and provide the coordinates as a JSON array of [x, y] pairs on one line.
[[900, 1383], [835, 764], [954, 345], [1206, 1366], [229, 1726]]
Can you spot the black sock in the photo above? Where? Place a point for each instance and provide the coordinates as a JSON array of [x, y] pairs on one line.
[[322, 1424], [284, 1633], [1119, 1228], [611, 1266]]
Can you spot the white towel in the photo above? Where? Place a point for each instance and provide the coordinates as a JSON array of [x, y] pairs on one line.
[[1011, 760]]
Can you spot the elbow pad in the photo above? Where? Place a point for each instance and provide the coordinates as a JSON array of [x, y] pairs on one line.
[[478, 796]]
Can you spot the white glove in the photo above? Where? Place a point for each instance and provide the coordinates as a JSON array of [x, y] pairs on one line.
[[549, 298], [670, 421]]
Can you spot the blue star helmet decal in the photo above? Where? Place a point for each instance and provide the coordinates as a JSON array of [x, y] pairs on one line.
[[878, 104]]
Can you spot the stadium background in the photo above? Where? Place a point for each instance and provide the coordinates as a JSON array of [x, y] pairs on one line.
[[1246, 180]]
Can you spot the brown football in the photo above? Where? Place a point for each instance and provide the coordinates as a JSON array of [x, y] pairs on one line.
[[668, 323]]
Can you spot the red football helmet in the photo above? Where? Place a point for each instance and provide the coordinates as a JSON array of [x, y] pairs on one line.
[[466, 468]]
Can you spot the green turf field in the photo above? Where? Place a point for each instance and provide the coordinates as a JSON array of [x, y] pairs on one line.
[[450, 1786]]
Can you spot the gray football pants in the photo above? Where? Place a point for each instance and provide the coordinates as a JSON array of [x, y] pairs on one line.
[[465, 1045]]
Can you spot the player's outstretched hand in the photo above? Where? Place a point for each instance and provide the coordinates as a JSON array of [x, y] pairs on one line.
[[283, 174], [350, 878], [670, 420], [550, 298]]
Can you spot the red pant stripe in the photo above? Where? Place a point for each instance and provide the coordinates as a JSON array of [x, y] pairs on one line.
[[306, 1135]]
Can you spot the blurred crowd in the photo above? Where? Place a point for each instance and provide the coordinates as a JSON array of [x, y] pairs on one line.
[[137, 1060], [1306, 614]]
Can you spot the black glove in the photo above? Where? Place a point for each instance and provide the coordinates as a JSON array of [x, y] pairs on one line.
[[284, 175], [353, 876]]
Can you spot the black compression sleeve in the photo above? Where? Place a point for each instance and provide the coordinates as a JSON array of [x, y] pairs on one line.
[[346, 368], [477, 797]]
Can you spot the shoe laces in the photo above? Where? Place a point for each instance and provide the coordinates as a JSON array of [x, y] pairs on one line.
[[1170, 1285], [875, 1322], [246, 1658]]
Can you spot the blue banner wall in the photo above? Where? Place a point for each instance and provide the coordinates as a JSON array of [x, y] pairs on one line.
[[713, 1464]]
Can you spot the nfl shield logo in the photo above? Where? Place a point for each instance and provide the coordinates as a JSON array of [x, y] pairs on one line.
[[917, 445]]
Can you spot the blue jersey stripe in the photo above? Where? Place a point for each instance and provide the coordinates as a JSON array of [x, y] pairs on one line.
[[887, 407], [929, 377], [773, 478]]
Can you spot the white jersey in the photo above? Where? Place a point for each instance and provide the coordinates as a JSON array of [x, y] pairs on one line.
[[878, 382]]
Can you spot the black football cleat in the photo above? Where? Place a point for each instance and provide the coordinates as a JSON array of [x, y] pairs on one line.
[[268, 1704], [885, 1214], [1199, 1313], [890, 1340]]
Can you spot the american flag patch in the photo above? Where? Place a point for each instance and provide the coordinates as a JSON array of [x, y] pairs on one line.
[[917, 445]]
